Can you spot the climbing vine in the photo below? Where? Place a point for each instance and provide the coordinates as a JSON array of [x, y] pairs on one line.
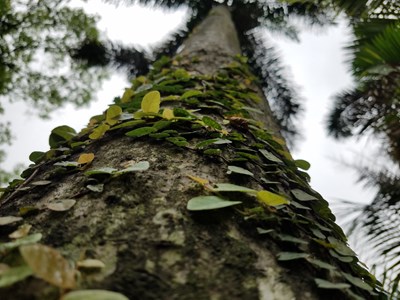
[[215, 116]]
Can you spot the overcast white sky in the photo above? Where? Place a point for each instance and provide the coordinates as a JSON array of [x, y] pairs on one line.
[[317, 65]]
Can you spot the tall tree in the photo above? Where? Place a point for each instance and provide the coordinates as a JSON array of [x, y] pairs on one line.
[[183, 189]]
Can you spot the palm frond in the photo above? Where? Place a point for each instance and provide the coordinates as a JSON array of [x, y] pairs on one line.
[[376, 226], [376, 53]]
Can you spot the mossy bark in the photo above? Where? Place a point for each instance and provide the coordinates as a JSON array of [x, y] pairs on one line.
[[139, 226]]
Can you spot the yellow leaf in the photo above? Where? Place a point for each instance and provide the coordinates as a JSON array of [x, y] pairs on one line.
[[168, 114], [48, 264], [126, 97], [271, 199], [151, 102], [22, 231], [199, 180], [279, 141], [286, 154], [85, 158], [98, 132], [113, 113]]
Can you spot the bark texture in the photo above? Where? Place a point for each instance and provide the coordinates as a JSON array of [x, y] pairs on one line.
[[139, 226]]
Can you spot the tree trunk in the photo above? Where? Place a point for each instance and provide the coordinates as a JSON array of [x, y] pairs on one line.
[[138, 221]]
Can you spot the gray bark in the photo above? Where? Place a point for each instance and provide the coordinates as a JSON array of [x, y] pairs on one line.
[[153, 248]]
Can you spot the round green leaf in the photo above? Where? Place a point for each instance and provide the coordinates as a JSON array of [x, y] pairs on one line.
[[142, 131], [209, 202], [140, 166], [269, 156], [36, 156], [324, 284], [211, 123], [100, 171], [302, 196], [239, 170], [229, 187], [291, 255], [302, 164]]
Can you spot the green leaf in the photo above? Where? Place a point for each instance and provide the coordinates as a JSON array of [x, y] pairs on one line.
[[191, 93], [93, 295], [346, 259], [302, 164], [211, 123], [212, 152], [36, 156], [269, 156], [271, 199], [252, 109], [321, 264], [14, 275], [181, 112], [128, 124], [239, 170], [340, 247], [283, 256], [139, 166], [228, 187], [61, 134], [30, 239], [209, 202], [178, 141], [97, 188], [151, 102], [100, 171], [159, 135], [71, 164], [221, 141], [142, 131], [161, 124], [112, 114], [302, 196], [357, 282], [324, 284], [292, 239], [99, 131]]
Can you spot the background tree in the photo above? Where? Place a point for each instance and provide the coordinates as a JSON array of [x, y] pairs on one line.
[[123, 184], [52, 55]]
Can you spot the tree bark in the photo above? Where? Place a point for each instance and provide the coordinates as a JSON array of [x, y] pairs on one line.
[[139, 225]]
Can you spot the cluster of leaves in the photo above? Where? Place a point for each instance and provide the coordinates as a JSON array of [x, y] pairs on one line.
[[212, 116]]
